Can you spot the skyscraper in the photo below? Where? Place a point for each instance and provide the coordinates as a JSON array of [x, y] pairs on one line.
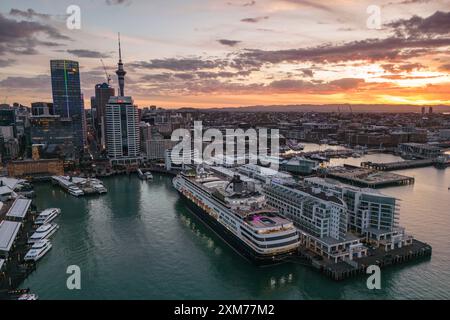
[[67, 97], [122, 124], [121, 73], [102, 94], [122, 130]]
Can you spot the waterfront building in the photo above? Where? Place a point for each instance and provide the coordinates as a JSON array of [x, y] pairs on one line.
[[299, 165], [370, 213], [186, 159], [9, 148], [155, 149], [53, 132], [103, 92], [420, 150], [321, 218], [122, 124], [122, 130], [67, 97], [265, 175], [35, 168], [153, 143], [6, 193], [9, 232], [19, 210]]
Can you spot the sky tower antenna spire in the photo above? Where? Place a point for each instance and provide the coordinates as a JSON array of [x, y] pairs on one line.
[[121, 72], [120, 50]]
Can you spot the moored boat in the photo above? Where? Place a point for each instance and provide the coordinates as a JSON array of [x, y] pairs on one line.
[[239, 215], [43, 232], [47, 216], [38, 250]]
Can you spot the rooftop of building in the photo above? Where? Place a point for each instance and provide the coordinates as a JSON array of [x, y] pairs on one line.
[[120, 100]]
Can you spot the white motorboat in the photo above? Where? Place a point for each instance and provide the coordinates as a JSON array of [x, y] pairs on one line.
[[148, 175], [47, 216], [75, 191], [38, 250], [43, 232], [28, 296]]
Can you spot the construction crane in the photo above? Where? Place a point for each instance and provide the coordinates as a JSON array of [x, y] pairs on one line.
[[108, 77]]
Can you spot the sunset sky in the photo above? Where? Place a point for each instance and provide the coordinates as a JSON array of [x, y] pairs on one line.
[[215, 53]]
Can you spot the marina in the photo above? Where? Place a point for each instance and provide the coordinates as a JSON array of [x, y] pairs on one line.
[[23, 241]]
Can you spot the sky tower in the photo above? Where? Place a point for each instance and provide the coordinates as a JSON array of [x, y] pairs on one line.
[[121, 73]]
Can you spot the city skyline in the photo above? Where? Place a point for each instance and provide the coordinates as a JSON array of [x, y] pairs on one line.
[[233, 53]]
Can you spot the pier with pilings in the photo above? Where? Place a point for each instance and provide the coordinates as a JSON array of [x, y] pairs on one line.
[[440, 163], [399, 165], [417, 251], [366, 177]]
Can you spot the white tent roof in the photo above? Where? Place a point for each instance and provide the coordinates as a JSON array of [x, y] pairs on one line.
[[8, 234]]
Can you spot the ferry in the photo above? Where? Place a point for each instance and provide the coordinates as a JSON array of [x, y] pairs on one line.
[[148, 175], [75, 191], [144, 175], [38, 250], [99, 187], [28, 296], [47, 216], [239, 214], [43, 232]]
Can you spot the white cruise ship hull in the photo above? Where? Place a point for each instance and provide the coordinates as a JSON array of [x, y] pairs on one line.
[[232, 240]]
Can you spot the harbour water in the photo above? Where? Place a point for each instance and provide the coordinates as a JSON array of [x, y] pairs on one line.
[[140, 242]]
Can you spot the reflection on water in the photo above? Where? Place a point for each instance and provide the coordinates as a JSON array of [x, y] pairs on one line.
[[140, 242]]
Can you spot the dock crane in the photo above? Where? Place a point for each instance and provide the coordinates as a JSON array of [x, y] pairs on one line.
[[108, 77]]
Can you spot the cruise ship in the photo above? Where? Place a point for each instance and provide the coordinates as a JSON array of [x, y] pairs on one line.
[[239, 214]]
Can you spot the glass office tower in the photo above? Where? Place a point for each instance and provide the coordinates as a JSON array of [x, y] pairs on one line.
[[67, 97]]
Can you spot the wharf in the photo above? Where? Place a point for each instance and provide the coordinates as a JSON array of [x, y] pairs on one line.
[[85, 186], [16, 270], [326, 154], [158, 169], [367, 177], [347, 269], [400, 165]]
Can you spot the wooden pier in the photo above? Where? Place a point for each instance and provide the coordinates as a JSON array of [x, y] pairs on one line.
[[344, 270], [399, 165], [16, 270], [409, 164], [367, 177]]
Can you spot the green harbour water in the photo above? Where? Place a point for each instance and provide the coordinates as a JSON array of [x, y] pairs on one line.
[[140, 242]]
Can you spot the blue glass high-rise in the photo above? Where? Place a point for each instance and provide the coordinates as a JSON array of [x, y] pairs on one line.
[[67, 97]]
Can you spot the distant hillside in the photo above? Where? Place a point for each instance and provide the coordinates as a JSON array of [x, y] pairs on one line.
[[377, 108]]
